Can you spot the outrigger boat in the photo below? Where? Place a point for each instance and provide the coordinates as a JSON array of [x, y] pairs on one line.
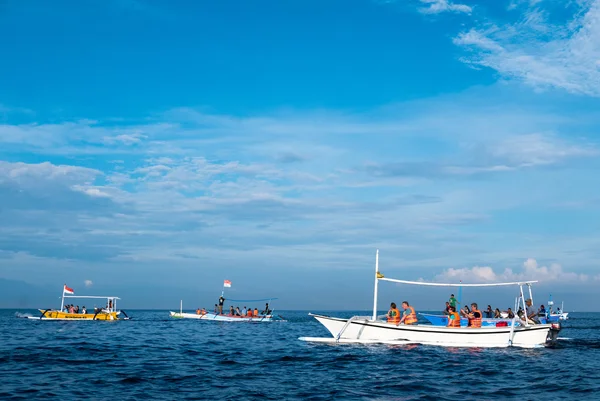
[[202, 314], [369, 330], [108, 312]]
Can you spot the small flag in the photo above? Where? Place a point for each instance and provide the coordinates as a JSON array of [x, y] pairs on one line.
[[227, 283], [68, 290]]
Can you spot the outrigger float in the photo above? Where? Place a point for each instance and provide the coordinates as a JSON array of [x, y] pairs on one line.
[[370, 330], [109, 312]]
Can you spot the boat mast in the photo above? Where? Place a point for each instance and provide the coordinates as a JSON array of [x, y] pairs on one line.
[[524, 306], [62, 302], [376, 285]]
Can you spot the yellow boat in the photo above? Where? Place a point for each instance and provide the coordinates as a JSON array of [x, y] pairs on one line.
[[107, 312]]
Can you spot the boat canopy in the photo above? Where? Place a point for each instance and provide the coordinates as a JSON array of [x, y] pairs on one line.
[[380, 277], [251, 300]]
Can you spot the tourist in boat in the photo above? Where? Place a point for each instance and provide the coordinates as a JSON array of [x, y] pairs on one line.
[[497, 314], [453, 317], [409, 315], [531, 312], [520, 312], [249, 313], [542, 311], [475, 316], [489, 312], [255, 313], [237, 311], [231, 311], [221, 302], [393, 315], [244, 311], [216, 309], [83, 310], [510, 313], [267, 311], [447, 309]]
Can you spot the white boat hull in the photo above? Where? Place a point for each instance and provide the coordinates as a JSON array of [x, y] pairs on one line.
[[220, 318], [361, 330]]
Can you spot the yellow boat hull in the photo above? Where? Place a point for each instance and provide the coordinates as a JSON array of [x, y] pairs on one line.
[[58, 315]]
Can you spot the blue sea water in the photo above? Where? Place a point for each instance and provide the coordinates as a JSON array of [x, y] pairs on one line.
[[154, 357]]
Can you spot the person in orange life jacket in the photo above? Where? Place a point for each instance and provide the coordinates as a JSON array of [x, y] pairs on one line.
[[393, 315], [409, 316], [453, 317], [475, 316]]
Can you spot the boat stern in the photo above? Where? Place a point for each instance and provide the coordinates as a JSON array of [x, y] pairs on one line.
[[552, 336]]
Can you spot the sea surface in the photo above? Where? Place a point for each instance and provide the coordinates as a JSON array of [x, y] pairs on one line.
[[154, 357]]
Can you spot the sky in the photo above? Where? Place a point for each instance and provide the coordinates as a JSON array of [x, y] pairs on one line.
[[153, 149]]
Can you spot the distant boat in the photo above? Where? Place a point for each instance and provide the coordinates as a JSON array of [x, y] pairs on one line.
[[108, 312], [555, 316], [202, 314], [369, 330]]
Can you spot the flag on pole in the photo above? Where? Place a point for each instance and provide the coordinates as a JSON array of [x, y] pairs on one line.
[[68, 290], [227, 283]]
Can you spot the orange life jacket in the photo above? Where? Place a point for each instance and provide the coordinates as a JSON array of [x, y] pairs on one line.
[[411, 318], [197, 311], [393, 316], [455, 322], [255, 312], [475, 321], [249, 314]]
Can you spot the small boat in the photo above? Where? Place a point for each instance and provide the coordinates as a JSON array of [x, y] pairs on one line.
[[555, 316], [201, 314], [107, 312], [369, 329]]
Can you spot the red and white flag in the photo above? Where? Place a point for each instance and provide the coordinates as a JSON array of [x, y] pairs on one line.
[[227, 283], [68, 290]]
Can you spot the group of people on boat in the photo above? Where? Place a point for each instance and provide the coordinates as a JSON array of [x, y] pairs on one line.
[[74, 309], [236, 311], [473, 314]]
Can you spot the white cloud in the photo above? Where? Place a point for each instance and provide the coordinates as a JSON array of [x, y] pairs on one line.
[[88, 283], [542, 54], [441, 6], [530, 271]]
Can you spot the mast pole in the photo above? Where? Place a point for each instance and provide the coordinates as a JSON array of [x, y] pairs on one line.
[[524, 306], [376, 285], [62, 302]]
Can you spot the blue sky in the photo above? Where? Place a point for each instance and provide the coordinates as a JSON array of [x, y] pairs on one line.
[[156, 149]]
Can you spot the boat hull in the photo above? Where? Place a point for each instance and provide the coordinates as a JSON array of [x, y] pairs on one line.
[[58, 315], [365, 330], [220, 318]]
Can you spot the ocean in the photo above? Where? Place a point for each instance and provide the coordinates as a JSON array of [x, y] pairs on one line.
[[154, 357]]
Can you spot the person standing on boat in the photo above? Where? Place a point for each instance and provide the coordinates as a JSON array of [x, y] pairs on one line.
[[531, 311], [452, 301], [221, 302], [393, 315], [409, 315]]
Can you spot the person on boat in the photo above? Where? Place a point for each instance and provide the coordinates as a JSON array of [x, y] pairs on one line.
[[249, 314], [453, 317], [393, 315], [489, 312], [447, 309], [267, 311], [71, 309], [409, 316], [255, 313], [510, 313], [198, 311], [221, 302], [83, 310], [531, 311], [497, 314], [452, 301], [520, 312], [244, 311], [216, 309], [237, 311], [542, 311], [231, 311], [475, 316]]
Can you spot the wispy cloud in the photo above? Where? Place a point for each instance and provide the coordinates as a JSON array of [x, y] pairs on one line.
[[441, 6], [540, 53]]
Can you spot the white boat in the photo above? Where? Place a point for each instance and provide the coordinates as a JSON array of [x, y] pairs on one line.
[[557, 315], [368, 329], [222, 318]]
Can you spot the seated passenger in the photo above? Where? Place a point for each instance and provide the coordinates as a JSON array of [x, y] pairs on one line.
[[255, 312], [393, 315], [453, 317], [249, 313], [497, 314], [409, 315], [475, 317]]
